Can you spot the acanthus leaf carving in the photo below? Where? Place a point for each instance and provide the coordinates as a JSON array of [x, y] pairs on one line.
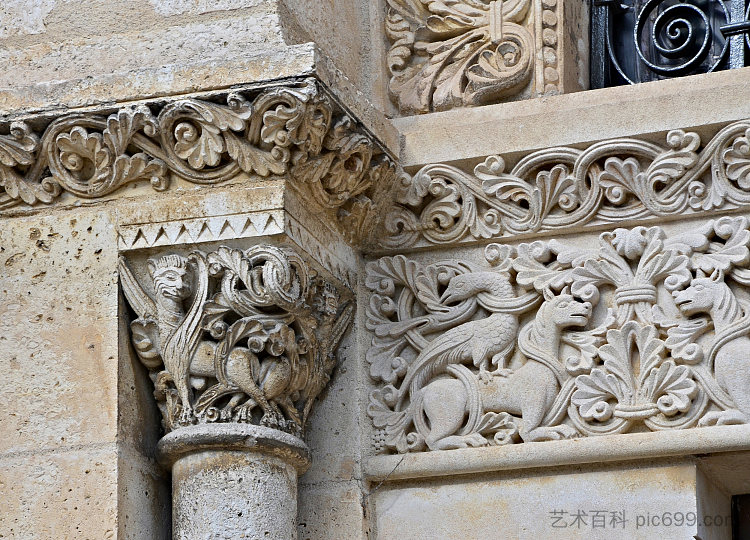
[[17, 154], [454, 53], [548, 341], [295, 131], [236, 335], [559, 189]]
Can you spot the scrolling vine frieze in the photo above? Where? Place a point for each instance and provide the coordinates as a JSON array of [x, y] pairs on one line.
[[560, 188], [293, 130], [547, 341]]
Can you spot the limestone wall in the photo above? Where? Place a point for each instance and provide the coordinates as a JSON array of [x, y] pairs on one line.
[[78, 424], [489, 280]]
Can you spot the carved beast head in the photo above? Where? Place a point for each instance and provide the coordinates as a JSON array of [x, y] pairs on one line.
[[564, 310], [702, 294], [170, 277]]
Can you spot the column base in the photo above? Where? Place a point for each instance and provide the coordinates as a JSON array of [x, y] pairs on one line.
[[233, 481]]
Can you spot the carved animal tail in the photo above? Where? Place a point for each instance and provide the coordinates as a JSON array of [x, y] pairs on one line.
[[527, 346], [428, 364], [473, 397], [738, 328], [559, 407], [182, 344]]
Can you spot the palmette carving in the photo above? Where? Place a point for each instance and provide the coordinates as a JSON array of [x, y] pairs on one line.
[[561, 188], [236, 336], [453, 53], [294, 130], [550, 341]]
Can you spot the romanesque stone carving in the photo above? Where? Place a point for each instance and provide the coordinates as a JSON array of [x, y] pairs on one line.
[[550, 341], [561, 188], [293, 130], [196, 230], [236, 336], [453, 53]]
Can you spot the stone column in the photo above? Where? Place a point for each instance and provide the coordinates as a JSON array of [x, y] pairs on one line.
[[234, 481], [239, 344]]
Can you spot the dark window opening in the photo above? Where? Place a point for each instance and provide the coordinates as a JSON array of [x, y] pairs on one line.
[[635, 41], [741, 517]]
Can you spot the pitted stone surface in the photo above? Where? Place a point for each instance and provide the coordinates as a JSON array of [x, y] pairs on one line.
[[237, 481]]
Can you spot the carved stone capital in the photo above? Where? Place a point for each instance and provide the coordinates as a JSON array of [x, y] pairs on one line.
[[236, 336], [548, 340], [296, 132]]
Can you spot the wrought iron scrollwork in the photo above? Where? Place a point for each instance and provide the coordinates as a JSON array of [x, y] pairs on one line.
[[642, 40]]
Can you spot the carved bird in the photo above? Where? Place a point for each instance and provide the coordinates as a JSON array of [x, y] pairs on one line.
[[476, 341], [277, 373], [300, 371]]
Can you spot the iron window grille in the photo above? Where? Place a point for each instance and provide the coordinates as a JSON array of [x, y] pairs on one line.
[[636, 41]]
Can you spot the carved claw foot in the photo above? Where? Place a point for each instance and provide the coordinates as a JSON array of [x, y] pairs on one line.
[[244, 412], [271, 419], [458, 441], [723, 418], [552, 433], [295, 429], [225, 415], [485, 376], [502, 372]]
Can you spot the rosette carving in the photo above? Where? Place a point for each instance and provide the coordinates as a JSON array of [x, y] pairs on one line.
[[561, 188], [549, 341], [236, 336]]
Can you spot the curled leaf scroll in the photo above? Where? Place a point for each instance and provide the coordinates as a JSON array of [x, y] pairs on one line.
[[561, 188], [294, 130], [454, 53]]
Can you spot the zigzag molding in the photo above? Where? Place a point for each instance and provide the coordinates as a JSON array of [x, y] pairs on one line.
[[205, 229], [322, 254]]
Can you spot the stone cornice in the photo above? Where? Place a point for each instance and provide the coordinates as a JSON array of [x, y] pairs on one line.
[[294, 131], [713, 441], [562, 189]]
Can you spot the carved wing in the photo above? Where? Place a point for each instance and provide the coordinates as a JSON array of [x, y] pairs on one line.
[[339, 327], [141, 302]]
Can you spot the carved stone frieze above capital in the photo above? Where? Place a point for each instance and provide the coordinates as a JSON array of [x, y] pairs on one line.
[[565, 188], [236, 336], [646, 332], [295, 131]]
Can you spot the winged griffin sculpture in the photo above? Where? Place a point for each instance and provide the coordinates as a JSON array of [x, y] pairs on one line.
[[236, 336]]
